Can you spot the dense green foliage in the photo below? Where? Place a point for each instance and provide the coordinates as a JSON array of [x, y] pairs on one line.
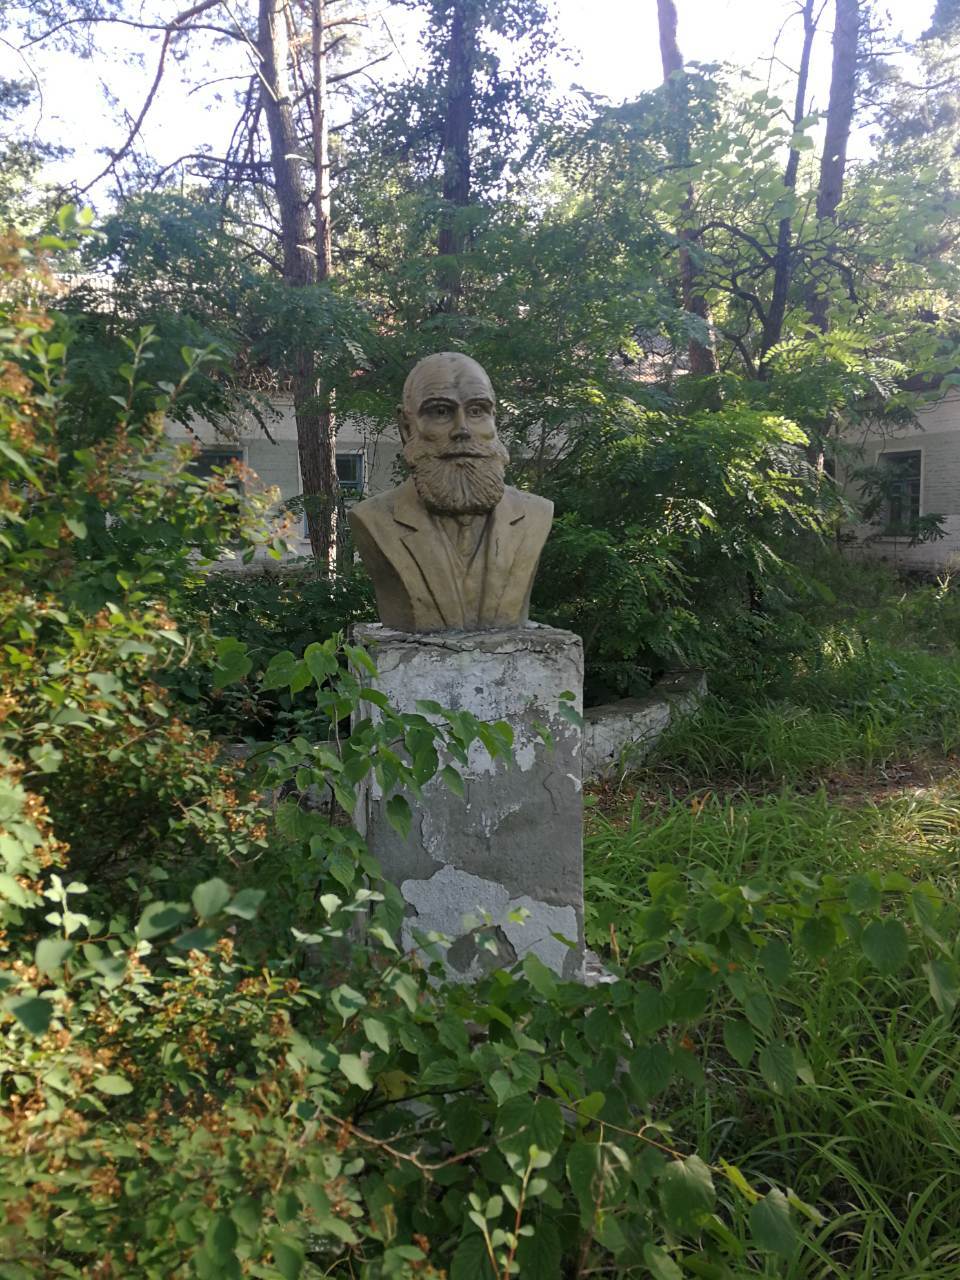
[[845, 768], [214, 1059], [204, 1072], [267, 611]]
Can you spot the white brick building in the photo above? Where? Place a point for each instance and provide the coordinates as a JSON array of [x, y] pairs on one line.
[[365, 459], [926, 461]]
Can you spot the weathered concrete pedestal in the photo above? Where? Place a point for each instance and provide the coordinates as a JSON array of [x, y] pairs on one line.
[[513, 845]]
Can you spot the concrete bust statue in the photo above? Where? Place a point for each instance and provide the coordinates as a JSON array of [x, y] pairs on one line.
[[453, 548]]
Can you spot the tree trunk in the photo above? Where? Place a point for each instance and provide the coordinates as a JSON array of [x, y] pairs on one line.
[[783, 258], [846, 35], [315, 442], [326, 474], [321, 141], [703, 357], [458, 118]]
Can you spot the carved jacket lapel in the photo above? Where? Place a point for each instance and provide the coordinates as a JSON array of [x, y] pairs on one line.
[[429, 553], [505, 592]]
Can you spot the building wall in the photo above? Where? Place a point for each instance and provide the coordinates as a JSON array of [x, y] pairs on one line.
[[276, 462], [937, 438]]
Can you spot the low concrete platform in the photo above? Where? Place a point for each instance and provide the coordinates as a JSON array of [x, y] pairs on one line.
[[618, 734]]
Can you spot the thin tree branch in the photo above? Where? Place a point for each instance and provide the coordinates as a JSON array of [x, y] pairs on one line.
[[346, 75], [741, 235], [171, 30], [137, 26]]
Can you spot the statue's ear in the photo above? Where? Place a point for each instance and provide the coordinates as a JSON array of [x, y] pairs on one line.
[[403, 424]]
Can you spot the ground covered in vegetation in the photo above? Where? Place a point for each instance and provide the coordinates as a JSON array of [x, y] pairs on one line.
[[208, 1070], [846, 766]]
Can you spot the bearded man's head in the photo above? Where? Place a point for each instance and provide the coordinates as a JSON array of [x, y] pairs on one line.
[[449, 431]]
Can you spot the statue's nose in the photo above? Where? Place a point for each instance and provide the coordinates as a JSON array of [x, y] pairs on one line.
[[460, 430]]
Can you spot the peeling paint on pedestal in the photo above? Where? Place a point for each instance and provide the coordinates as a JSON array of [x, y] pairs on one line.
[[454, 897], [514, 841]]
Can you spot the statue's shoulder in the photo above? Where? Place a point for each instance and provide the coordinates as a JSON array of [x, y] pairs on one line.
[[531, 504], [371, 511]]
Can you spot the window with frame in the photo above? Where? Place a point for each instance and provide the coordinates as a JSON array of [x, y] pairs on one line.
[[350, 474], [213, 459], [902, 490]]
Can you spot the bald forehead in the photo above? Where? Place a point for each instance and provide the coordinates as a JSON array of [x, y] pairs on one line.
[[447, 375]]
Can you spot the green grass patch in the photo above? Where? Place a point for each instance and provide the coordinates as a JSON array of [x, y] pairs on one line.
[[854, 707], [870, 1132]]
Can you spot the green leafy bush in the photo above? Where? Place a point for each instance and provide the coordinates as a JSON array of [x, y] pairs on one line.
[[667, 540], [854, 1130], [214, 1060], [266, 611]]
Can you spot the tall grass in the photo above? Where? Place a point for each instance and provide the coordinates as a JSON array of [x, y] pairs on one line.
[[859, 706], [872, 1134], [840, 763]]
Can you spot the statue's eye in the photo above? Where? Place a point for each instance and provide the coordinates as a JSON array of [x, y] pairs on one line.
[[441, 410], [476, 411]]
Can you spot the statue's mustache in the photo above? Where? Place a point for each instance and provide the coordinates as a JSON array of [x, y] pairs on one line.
[[416, 451]]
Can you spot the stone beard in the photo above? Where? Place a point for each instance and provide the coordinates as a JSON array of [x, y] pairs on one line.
[[458, 486]]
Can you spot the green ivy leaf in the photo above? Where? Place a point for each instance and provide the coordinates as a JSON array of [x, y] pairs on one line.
[[210, 898], [321, 661], [399, 815], [542, 979], [778, 1067], [404, 986], [46, 757], [863, 894], [660, 1264], [818, 937], [246, 903], [280, 670], [886, 945], [159, 917], [759, 1010], [687, 1193], [288, 1258], [353, 1068], [377, 1033], [113, 1084], [198, 939], [470, 1262], [463, 1121], [651, 1070], [740, 1041], [944, 980], [570, 714], [585, 1178], [233, 662], [342, 866], [771, 1225], [247, 1214], [453, 779], [713, 916], [51, 954], [540, 1256], [523, 1122], [359, 657], [32, 1012], [775, 958]]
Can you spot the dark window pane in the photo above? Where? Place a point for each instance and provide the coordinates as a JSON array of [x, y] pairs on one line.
[[903, 490], [210, 460], [350, 472]]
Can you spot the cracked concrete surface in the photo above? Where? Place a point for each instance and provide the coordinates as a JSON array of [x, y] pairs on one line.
[[514, 842]]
